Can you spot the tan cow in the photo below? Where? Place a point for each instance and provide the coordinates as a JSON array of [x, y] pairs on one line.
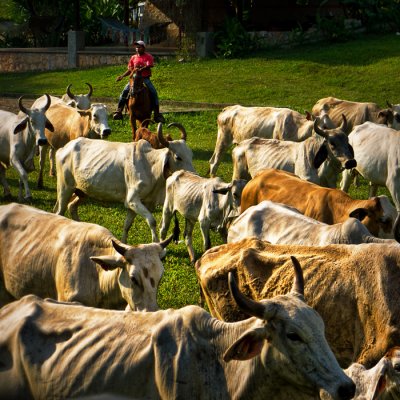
[[327, 205], [70, 123], [360, 303], [52, 256], [357, 113], [237, 123], [53, 350]]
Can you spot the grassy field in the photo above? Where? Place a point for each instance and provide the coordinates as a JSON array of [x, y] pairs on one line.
[[362, 70]]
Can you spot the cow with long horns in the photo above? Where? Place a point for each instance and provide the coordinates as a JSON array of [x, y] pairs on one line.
[[81, 101], [19, 136]]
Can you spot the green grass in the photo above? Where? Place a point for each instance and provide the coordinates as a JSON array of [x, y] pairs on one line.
[[362, 70]]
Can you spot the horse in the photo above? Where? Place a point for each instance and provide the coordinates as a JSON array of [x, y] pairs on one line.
[[139, 102]]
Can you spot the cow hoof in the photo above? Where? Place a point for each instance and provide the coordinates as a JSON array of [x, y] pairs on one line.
[[117, 116], [40, 185], [28, 200], [8, 197]]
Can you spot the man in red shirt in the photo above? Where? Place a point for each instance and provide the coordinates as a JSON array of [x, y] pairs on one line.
[[143, 61]]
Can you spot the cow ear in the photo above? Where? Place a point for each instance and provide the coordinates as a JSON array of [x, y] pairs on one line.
[[108, 263], [49, 125], [359, 213], [321, 156], [249, 345], [21, 126], [309, 117]]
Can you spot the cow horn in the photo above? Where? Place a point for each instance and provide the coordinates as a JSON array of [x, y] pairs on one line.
[[318, 130], [160, 136], [46, 107], [396, 228], [343, 127], [166, 242], [119, 248], [22, 107], [181, 128], [298, 283], [69, 93], [90, 89], [247, 305]]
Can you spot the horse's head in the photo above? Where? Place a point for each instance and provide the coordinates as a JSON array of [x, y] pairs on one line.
[[136, 83]]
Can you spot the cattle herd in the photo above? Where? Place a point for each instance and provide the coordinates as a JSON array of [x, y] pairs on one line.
[[304, 294]]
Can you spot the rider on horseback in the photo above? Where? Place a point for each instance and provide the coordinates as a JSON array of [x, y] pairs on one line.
[[141, 61]]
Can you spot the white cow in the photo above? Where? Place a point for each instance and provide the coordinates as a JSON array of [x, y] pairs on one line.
[[377, 149], [131, 173], [282, 224], [55, 350], [52, 256], [19, 136], [381, 382], [210, 201], [237, 123], [301, 158], [81, 101], [70, 123]]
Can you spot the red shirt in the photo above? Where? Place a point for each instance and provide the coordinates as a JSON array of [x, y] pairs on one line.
[[138, 61]]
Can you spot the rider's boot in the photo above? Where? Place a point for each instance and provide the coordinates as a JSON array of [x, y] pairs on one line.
[[158, 117], [120, 108]]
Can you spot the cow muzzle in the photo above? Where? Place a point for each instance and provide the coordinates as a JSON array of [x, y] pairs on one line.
[[350, 164], [42, 142], [106, 133]]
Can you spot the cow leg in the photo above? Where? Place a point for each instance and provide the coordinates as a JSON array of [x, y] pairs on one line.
[[23, 179], [130, 216], [392, 185], [223, 142], [165, 222], [346, 180], [52, 159], [137, 206], [373, 190], [64, 195], [205, 233], [73, 206], [42, 161], [188, 234], [3, 180]]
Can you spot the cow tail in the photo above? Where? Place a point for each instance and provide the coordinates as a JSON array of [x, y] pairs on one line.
[[177, 230]]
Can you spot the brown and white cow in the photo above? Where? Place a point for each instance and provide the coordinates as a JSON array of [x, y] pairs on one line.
[[210, 201], [129, 173], [70, 123], [283, 224], [302, 158], [19, 136], [360, 302], [330, 206], [237, 123], [357, 112], [56, 350], [52, 256]]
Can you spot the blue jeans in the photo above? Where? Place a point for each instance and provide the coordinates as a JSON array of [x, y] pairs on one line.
[[150, 86]]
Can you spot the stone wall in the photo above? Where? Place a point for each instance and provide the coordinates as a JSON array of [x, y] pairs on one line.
[[20, 60]]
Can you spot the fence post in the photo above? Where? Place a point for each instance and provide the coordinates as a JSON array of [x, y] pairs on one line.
[[76, 42]]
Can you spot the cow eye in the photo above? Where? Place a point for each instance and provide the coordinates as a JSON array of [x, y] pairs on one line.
[[294, 337], [396, 367], [134, 281]]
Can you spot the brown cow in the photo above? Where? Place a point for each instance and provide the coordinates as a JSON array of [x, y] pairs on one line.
[[360, 303], [323, 204]]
